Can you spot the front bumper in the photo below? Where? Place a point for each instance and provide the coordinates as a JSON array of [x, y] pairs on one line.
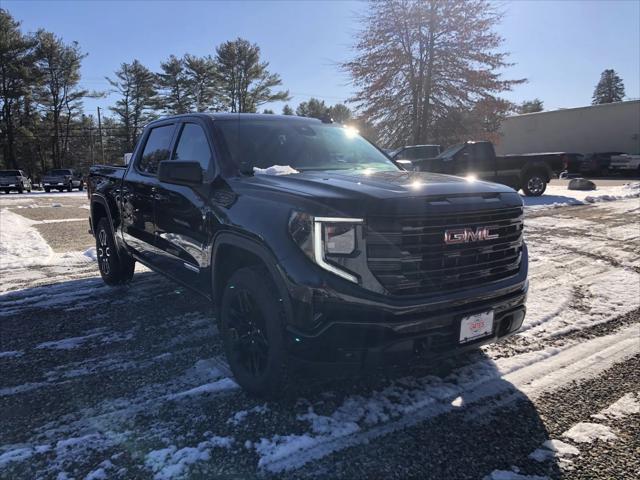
[[348, 332]]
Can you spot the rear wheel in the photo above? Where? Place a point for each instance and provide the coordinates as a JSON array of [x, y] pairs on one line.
[[252, 332], [116, 268], [534, 185]]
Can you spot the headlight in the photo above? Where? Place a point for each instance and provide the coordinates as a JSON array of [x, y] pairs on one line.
[[323, 237]]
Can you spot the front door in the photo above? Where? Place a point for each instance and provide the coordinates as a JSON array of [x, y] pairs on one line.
[[183, 215]]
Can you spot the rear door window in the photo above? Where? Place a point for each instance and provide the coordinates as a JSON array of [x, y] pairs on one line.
[[156, 149]]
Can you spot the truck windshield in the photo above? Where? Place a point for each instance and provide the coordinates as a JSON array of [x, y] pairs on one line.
[[301, 145], [9, 173], [59, 173]]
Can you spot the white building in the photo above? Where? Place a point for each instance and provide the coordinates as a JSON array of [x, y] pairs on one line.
[[612, 127]]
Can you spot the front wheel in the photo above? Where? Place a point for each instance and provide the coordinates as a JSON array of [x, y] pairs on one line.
[[116, 268], [534, 184], [252, 332]]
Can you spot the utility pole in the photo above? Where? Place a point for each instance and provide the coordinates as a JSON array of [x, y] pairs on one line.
[[100, 134]]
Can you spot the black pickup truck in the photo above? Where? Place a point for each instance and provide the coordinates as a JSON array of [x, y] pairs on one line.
[[529, 172], [315, 248]]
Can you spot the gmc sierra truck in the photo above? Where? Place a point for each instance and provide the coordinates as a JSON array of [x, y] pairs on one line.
[[530, 172], [314, 247]]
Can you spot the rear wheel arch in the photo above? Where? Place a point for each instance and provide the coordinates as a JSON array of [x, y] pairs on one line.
[[99, 209]]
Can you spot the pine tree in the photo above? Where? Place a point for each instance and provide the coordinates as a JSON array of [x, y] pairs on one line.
[[531, 106], [172, 85], [610, 88], [202, 83], [245, 81], [135, 84], [287, 110], [17, 78]]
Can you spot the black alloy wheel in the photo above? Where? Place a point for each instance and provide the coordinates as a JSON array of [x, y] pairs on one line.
[[251, 327], [247, 332]]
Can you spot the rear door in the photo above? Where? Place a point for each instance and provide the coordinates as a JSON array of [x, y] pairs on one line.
[[139, 188], [182, 231]]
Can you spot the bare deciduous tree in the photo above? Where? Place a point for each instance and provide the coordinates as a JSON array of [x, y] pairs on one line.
[[417, 61]]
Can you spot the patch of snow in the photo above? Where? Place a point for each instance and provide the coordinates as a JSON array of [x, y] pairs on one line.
[[275, 170], [91, 253], [511, 475], [553, 449], [215, 387], [625, 406], [171, 462], [585, 432], [66, 343], [242, 415], [11, 354]]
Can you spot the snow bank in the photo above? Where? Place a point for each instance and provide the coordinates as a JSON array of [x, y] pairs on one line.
[[561, 196], [20, 244], [275, 170]]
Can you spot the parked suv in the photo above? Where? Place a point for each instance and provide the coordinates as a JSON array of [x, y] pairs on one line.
[[314, 247], [62, 179], [14, 180]]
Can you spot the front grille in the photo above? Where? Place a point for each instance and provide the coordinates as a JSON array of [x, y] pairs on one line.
[[408, 255]]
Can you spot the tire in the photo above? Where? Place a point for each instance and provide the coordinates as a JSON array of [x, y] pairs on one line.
[[252, 332], [116, 267], [534, 184], [47, 189], [70, 187], [20, 189]]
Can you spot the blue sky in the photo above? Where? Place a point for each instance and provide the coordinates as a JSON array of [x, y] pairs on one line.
[[560, 46]]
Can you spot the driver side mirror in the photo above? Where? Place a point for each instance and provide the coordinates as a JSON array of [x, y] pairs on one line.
[[180, 173]]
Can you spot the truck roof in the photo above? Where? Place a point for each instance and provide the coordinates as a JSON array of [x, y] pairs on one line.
[[240, 116]]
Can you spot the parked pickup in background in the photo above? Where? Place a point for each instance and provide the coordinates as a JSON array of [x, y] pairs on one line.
[[14, 180], [529, 172], [62, 179], [625, 163], [315, 248]]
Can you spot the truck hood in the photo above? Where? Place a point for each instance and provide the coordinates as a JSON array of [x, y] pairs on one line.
[[361, 192], [378, 185]]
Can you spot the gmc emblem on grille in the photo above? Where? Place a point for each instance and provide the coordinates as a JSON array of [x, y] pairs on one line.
[[467, 235]]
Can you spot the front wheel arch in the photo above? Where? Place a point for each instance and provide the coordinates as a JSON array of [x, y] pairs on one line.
[[232, 251]]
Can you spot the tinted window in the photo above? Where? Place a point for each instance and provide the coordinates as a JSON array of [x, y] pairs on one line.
[[156, 149], [193, 146]]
